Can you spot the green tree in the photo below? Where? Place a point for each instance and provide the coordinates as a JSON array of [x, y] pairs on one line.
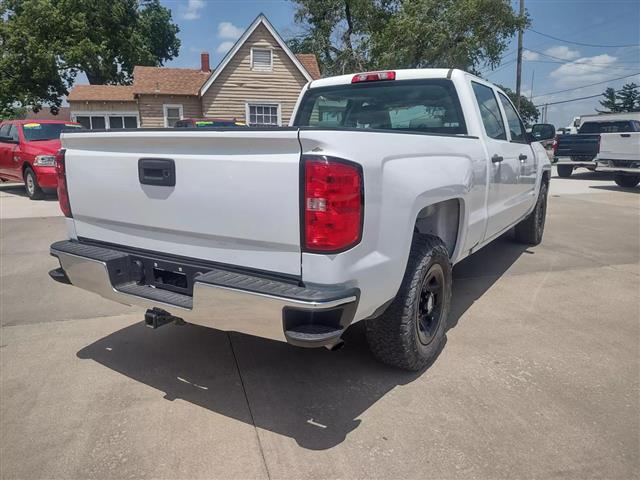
[[45, 44], [610, 102], [528, 111], [629, 98], [356, 35]]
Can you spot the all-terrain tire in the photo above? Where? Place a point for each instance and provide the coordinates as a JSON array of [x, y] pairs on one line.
[[398, 337], [31, 185], [530, 230], [565, 171], [627, 181]]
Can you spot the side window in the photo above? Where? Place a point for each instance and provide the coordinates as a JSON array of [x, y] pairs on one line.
[[516, 128], [4, 130], [13, 133], [489, 111]]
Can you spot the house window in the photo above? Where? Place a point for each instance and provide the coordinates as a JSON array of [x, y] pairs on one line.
[[263, 114], [107, 121], [261, 59], [172, 113], [93, 122], [122, 121]]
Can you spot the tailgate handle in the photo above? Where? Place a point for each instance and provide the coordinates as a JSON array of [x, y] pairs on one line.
[[625, 135], [157, 171]]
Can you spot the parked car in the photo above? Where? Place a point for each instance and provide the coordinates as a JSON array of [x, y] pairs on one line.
[[208, 122], [581, 149], [620, 154], [356, 211], [27, 153]]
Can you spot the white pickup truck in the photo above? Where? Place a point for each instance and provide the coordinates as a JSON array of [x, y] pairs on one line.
[[620, 154], [356, 211]]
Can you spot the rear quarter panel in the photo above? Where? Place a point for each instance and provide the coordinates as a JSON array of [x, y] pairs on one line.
[[403, 173]]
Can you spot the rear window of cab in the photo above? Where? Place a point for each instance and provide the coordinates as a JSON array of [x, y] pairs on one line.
[[424, 106]]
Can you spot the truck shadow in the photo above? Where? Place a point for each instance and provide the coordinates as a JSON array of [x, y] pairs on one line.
[[584, 174], [474, 275], [616, 188], [310, 395], [18, 190]]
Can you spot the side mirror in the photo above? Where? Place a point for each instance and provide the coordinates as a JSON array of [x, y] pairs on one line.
[[7, 139], [543, 131]]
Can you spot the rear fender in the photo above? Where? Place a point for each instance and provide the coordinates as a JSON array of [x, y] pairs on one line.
[[399, 183]]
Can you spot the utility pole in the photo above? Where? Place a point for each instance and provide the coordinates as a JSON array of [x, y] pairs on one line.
[[531, 94], [519, 66]]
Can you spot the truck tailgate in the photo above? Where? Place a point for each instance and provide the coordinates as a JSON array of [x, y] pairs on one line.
[[579, 145], [235, 199]]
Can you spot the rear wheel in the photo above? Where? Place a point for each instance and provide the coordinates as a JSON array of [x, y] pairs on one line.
[[31, 184], [565, 171], [627, 181], [531, 229], [411, 332]]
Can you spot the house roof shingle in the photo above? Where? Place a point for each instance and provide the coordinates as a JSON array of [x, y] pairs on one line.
[[169, 81], [101, 93], [64, 114], [310, 63]]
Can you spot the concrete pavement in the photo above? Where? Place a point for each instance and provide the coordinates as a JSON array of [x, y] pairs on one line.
[[539, 377]]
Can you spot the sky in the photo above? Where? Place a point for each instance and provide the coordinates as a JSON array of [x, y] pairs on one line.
[[563, 64]]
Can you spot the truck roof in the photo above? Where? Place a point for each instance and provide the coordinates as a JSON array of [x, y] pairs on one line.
[[401, 74]]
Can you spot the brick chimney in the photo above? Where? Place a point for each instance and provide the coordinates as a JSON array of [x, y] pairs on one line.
[[204, 62]]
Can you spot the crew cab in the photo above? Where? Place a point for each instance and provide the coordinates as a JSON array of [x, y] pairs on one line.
[[27, 153], [581, 149], [356, 211]]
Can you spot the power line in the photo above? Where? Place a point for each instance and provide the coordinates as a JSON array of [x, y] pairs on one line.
[[577, 61], [487, 70], [584, 86], [580, 43], [502, 67], [572, 100], [597, 66]]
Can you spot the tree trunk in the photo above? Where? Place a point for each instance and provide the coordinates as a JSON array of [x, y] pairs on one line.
[[346, 38]]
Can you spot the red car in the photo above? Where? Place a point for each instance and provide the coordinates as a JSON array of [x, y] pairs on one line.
[[27, 153]]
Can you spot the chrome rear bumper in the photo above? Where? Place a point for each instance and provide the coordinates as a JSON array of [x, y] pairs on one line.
[[304, 316], [605, 165], [618, 169], [577, 163]]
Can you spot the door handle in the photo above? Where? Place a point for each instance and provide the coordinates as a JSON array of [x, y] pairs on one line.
[[496, 158], [157, 171], [522, 157]]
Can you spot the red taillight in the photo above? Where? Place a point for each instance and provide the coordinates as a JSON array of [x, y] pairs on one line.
[[373, 77], [555, 145], [333, 204], [63, 193]]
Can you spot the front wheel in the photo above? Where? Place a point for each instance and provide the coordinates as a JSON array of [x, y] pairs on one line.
[[565, 171], [529, 231], [411, 332], [31, 184], [626, 181]]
